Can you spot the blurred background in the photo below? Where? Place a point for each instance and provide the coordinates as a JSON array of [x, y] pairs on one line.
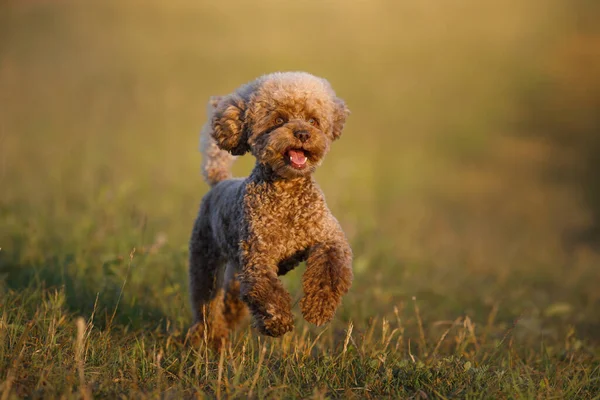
[[467, 174]]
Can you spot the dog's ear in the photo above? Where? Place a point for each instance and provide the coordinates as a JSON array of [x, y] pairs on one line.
[[340, 113], [213, 102], [229, 126]]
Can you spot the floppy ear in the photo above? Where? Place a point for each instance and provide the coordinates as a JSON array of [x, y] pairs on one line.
[[228, 125], [340, 113], [213, 102]]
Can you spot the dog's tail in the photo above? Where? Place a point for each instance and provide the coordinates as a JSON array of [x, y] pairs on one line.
[[216, 163]]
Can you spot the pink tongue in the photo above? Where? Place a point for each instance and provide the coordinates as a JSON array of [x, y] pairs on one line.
[[297, 157]]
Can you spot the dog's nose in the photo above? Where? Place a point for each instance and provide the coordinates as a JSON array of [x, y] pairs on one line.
[[302, 135]]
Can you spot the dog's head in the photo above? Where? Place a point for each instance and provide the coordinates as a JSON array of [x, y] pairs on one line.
[[286, 120]]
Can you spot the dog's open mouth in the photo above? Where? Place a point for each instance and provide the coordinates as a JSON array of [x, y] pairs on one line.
[[297, 158]]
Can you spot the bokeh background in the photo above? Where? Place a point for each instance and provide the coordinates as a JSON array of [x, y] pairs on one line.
[[467, 175]]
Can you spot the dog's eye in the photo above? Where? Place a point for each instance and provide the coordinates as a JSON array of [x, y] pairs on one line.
[[279, 121], [313, 122]]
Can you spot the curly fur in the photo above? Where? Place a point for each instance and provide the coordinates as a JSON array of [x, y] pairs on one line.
[[249, 231]]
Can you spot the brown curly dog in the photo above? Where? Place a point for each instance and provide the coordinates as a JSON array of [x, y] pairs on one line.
[[251, 230]]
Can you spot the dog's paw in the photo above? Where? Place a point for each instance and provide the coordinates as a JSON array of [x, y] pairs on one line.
[[200, 334], [274, 322], [319, 308]]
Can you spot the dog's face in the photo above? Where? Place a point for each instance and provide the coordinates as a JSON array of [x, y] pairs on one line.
[[287, 120]]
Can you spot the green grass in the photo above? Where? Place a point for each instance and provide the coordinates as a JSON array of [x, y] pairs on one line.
[[462, 288]]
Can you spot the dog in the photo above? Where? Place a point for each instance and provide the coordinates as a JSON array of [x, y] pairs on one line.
[[250, 231]]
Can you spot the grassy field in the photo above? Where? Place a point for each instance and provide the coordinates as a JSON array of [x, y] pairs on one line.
[[463, 285]]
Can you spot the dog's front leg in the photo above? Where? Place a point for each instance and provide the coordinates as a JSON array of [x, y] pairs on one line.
[[267, 299], [327, 278]]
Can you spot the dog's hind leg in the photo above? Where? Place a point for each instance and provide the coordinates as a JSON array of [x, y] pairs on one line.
[[206, 280], [235, 309]]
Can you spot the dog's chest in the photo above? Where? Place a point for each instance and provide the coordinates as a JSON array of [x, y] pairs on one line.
[[285, 221]]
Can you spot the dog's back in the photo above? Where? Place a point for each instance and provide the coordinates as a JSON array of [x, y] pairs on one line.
[[221, 211]]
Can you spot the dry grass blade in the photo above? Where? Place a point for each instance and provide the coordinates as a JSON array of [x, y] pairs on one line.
[[261, 358], [347, 339], [441, 340], [220, 370], [80, 358], [422, 339]]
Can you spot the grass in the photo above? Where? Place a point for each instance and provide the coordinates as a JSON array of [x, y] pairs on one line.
[[54, 353], [462, 287]]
